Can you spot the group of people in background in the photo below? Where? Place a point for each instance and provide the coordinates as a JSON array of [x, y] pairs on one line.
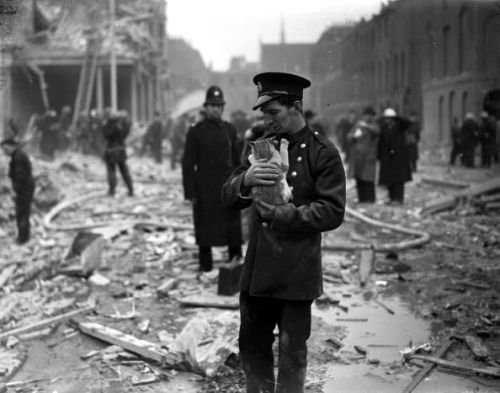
[[392, 140], [471, 134]]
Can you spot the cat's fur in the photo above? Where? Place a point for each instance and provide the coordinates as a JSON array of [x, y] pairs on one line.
[[280, 193]]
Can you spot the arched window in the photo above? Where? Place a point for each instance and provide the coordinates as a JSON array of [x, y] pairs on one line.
[[451, 108], [403, 69], [492, 46], [465, 98], [461, 38], [430, 50], [441, 120], [446, 38]]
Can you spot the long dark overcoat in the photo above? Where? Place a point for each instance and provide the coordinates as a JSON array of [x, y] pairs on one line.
[[363, 151], [283, 259], [210, 155], [393, 153]]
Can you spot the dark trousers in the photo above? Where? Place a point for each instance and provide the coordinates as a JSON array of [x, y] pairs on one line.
[[205, 256], [23, 211], [455, 152], [259, 316], [396, 192], [366, 191], [112, 180], [486, 154], [468, 156]]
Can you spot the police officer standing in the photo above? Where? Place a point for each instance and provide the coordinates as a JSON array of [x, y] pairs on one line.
[[115, 131], [23, 184], [210, 155], [282, 271]]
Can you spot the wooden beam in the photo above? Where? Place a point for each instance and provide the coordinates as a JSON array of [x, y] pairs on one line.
[[441, 352], [143, 348], [489, 371], [44, 323]]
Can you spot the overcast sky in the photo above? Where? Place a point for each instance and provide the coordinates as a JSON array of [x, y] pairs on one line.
[[221, 29]]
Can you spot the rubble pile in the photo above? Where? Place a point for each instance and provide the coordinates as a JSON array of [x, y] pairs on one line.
[[113, 283]]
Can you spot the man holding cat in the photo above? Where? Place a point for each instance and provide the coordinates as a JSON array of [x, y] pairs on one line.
[[282, 273]]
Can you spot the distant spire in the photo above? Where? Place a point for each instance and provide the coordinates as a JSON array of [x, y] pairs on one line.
[[282, 33]]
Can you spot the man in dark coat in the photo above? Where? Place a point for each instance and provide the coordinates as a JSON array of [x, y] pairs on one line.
[[470, 139], [282, 271], [210, 155], [487, 138], [412, 140], [395, 167], [115, 131], [153, 138], [363, 140], [456, 141], [48, 127], [23, 184]]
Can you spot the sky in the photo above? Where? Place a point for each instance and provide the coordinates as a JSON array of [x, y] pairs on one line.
[[221, 29]]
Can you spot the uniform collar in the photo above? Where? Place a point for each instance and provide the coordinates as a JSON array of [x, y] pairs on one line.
[[292, 138]]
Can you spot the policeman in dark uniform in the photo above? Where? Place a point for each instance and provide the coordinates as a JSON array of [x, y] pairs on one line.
[[282, 270], [23, 184], [115, 131], [210, 155]]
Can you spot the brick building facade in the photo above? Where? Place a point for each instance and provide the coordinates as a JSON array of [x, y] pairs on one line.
[[435, 58]]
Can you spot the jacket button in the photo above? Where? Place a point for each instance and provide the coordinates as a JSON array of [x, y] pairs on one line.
[[265, 224], [294, 174], [302, 145], [299, 159], [316, 132]]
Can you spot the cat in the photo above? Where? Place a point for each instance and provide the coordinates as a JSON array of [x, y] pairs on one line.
[[280, 193]]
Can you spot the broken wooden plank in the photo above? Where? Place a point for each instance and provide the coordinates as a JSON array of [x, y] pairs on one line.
[[6, 274], [143, 348], [444, 182], [166, 286], [386, 308], [441, 352], [489, 371], [366, 265], [44, 323], [352, 319], [449, 202], [210, 300]]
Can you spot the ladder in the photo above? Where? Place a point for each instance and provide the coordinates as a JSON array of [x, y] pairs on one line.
[[87, 77]]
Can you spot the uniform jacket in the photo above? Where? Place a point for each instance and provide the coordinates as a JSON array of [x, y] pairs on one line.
[[283, 258], [210, 155], [21, 175], [363, 151], [393, 152]]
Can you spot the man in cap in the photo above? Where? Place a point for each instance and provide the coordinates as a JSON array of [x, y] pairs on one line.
[[23, 184], [115, 131], [395, 166], [282, 271], [210, 155]]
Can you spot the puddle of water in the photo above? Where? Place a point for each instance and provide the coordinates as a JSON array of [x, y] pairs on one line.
[[384, 335]]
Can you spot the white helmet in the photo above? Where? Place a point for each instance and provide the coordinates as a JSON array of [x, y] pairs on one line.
[[389, 112]]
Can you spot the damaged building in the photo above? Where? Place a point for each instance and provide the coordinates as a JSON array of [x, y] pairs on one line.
[[69, 53]]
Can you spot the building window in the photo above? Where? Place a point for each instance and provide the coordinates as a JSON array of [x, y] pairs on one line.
[[431, 45], [461, 38], [465, 98], [451, 108], [403, 69], [446, 37], [440, 124]]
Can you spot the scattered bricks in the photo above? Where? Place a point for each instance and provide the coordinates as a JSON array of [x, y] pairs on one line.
[[229, 279]]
